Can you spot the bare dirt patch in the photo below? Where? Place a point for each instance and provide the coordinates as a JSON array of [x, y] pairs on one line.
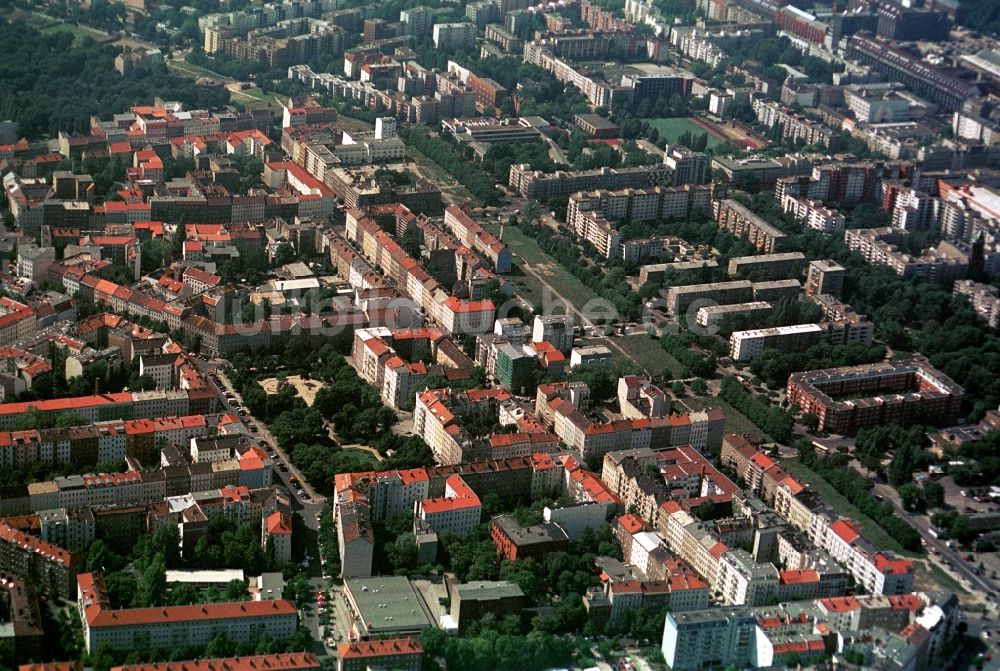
[[305, 389]]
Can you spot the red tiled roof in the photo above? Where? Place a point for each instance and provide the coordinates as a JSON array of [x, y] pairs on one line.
[[293, 661], [798, 577], [375, 649], [846, 530], [36, 545], [631, 523], [884, 564], [279, 523], [840, 604]]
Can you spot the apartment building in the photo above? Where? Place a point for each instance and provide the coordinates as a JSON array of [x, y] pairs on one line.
[[17, 321], [70, 528], [381, 357], [453, 314], [901, 632], [793, 127], [457, 512], [277, 531], [917, 75], [748, 345], [290, 661], [33, 261], [638, 397], [355, 535], [692, 540], [768, 266], [166, 627], [742, 580], [878, 572], [454, 36], [474, 236], [536, 184], [286, 43], [680, 298], [712, 316], [684, 474], [557, 330], [38, 562], [702, 429], [437, 418], [404, 654], [825, 276], [984, 299], [813, 215], [417, 21], [598, 92], [690, 167], [505, 39], [853, 397], [598, 231], [693, 640], [943, 264], [743, 223], [591, 214]]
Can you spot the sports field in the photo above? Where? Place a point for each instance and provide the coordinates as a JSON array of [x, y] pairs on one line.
[[673, 128]]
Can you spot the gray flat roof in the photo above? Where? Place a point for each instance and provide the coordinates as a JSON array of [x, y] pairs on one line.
[[387, 604]]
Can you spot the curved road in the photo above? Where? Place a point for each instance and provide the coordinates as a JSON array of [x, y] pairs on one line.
[[957, 566]]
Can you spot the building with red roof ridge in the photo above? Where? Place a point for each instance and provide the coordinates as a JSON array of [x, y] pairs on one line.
[[457, 512], [170, 626], [277, 531], [404, 654], [28, 557], [285, 661]]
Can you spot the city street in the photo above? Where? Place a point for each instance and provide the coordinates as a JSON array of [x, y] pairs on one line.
[[949, 559], [313, 499]]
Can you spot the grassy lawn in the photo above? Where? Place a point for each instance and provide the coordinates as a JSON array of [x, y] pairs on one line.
[[869, 528], [79, 33], [649, 354], [673, 128], [48, 25], [440, 176], [560, 279], [257, 93], [736, 422], [938, 575], [191, 70], [527, 286]]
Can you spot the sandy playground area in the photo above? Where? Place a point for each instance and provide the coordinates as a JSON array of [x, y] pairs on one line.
[[305, 389]]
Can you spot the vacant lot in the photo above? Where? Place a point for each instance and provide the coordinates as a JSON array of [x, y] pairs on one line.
[[649, 354], [48, 24], [671, 129], [736, 422], [547, 268], [305, 389], [931, 577]]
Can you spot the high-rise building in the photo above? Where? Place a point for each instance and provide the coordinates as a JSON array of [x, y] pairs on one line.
[[699, 639], [448, 36], [825, 276], [690, 167], [417, 21]]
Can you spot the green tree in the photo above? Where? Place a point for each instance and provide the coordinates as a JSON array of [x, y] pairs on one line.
[[152, 586]]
